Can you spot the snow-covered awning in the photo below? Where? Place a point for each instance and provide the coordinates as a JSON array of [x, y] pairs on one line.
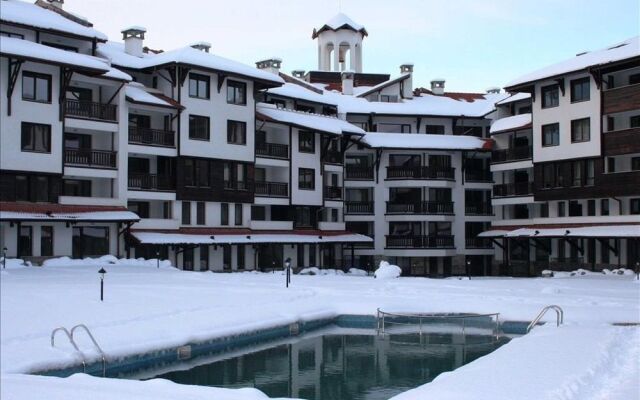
[[425, 141], [594, 231], [247, 236], [512, 123], [304, 120], [20, 212], [27, 14], [136, 93], [30, 51]]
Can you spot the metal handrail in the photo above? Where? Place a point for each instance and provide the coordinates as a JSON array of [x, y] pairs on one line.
[[559, 316], [95, 343], [73, 343]]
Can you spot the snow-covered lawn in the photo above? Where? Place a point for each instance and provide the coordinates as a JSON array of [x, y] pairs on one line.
[[149, 308]]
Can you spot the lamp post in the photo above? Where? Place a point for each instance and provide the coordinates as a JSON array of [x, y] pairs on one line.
[[469, 269], [4, 257], [637, 269], [287, 264], [102, 272], [158, 258]]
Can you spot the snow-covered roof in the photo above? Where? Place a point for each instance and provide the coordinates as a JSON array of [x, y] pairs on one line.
[[292, 90], [383, 85], [115, 73], [136, 93], [514, 97], [305, 120], [24, 49], [340, 21], [520, 121], [424, 141], [29, 14], [284, 237], [187, 56], [601, 231], [60, 212], [624, 50]]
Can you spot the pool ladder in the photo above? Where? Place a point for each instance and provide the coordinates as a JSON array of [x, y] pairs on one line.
[[70, 336], [559, 316]]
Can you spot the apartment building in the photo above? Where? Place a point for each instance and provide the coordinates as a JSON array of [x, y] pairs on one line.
[[567, 165]]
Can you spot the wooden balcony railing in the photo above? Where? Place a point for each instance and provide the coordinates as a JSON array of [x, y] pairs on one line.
[[274, 150], [358, 172], [624, 141], [272, 189], [333, 192], [512, 154], [402, 172], [152, 182], [478, 209], [90, 158], [151, 137], [513, 189], [420, 242], [623, 98], [359, 207], [478, 243], [91, 110], [420, 207]]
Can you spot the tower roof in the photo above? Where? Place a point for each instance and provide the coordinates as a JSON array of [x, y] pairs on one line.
[[340, 21]]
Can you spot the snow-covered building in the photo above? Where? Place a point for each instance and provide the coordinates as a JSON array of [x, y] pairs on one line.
[[567, 165]]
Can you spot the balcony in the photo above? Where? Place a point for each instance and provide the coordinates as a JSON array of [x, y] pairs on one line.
[[624, 141], [272, 150], [478, 175], [478, 209], [420, 242], [333, 193], [359, 172], [236, 185], [151, 182], [151, 137], [518, 153], [513, 189], [272, 189], [359, 207], [623, 98], [402, 172], [90, 158], [332, 157], [478, 243], [90, 110], [420, 207]]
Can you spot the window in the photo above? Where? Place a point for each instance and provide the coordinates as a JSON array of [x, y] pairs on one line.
[[604, 207], [604, 251], [435, 129], [386, 98], [234, 175], [200, 213], [258, 213], [634, 206], [46, 241], [76, 187], [36, 138], [198, 127], [561, 209], [25, 241], [580, 90], [590, 173], [236, 92], [635, 163], [36, 87], [544, 210], [226, 257], [186, 213], [306, 142], [240, 256], [305, 108], [278, 103], [141, 208], [580, 130], [167, 212], [90, 241], [41, 190], [303, 217], [576, 173], [199, 86], [204, 257], [236, 132], [11, 34], [202, 173], [634, 122], [551, 134], [611, 165], [61, 46], [312, 255], [189, 173], [224, 214], [306, 179], [238, 214], [300, 255], [548, 176], [187, 259], [591, 208], [575, 208], [550, 96], [394, 128], [634, 79]]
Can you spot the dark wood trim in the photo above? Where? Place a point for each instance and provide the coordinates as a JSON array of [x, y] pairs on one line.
[[12, 78], [625, 141]]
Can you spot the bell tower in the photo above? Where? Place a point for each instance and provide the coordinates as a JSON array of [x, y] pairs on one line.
[[340, 44]]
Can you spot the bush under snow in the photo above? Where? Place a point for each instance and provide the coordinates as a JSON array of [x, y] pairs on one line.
[[387, 271], [584, 272]]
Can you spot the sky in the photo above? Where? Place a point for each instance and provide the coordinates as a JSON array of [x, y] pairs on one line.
[[473, 44]]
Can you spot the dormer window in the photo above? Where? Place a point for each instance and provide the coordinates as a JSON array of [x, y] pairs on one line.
[[386, 98]]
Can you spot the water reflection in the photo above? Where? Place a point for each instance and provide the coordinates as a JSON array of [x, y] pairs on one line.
[[343, 367]]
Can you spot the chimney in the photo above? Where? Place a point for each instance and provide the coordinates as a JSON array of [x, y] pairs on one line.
[[493, 90], [202, 46], [56, 3], [270, 64], [133, 38], [298, 73], [437, 87], [347, 82], [407, 84]]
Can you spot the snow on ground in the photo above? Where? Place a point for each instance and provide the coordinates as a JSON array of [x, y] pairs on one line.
[[148, 308], [387, 271]]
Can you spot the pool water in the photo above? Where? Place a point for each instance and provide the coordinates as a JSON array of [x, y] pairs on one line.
[[341, 366]]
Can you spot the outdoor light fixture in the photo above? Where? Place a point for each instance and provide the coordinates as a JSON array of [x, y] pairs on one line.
[[4, 257], [468, 269], [102, 272], [158, 257], [287, 264], [567, 232], [212, 237], [537, 232]]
